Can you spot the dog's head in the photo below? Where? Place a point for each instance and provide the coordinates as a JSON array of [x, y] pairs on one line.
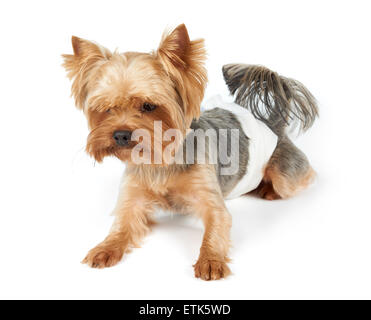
[[123, 92]]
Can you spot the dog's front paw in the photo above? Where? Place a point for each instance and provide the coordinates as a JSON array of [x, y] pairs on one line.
[[211, 269], [103, 256]]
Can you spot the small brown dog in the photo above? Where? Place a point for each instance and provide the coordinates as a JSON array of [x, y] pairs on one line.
[[121, 93]]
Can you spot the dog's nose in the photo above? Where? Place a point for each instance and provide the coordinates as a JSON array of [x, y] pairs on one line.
[[122, 137]]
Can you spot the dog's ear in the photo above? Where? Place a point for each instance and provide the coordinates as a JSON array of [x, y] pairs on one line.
[[80, 64], [84, 48], [174, 47], [183, 60]]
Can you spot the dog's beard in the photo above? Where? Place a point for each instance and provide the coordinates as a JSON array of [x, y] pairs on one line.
[[147, 145], [100, 145], [136, 152], [121, 153]]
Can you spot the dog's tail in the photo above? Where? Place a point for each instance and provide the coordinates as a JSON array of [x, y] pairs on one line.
[[273, 99]]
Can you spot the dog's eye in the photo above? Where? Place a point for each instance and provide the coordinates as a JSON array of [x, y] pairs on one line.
[[108, 111], [147, 107]]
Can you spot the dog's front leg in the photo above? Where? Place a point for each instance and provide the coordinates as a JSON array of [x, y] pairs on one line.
[[205, 199], [213, 259], [131, 224]]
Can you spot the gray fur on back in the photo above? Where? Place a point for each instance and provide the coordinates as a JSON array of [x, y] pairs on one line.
[[216, 119]]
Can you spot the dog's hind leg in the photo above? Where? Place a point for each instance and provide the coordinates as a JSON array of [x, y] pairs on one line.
[[287, 172]]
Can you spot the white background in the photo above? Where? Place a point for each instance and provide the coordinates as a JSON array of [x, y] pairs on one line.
[[55, 203]]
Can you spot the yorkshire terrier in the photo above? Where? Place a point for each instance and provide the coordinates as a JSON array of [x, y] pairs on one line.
[[126, 94]]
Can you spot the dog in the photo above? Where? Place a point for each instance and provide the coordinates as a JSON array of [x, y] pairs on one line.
[[123, 93]]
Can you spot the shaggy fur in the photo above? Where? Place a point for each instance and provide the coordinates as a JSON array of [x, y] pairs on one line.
[[273, 99], [114, 91], [277, 101]]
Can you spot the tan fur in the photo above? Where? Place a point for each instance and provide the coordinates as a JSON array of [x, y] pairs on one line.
[[132, 222], [173, 78], [136, 204], [277, 185], [265, 190], [183, 60], [111, 89]]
